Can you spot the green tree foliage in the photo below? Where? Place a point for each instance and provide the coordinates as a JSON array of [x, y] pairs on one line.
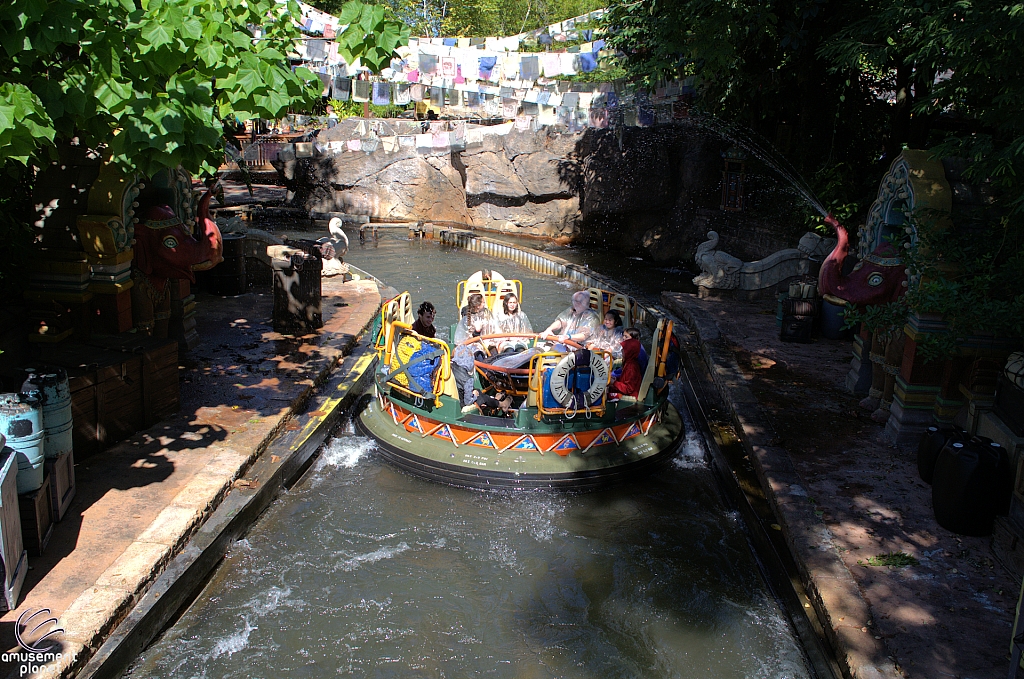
[[370, 34], [857, 83], [151, 79], [477, 18]]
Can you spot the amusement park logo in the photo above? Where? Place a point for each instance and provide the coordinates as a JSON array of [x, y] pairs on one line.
[[38, 633]]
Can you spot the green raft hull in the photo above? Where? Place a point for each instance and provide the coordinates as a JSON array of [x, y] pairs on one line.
[[470, 466]]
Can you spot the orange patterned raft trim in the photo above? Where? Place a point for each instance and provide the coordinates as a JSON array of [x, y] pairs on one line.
[[563, 444]]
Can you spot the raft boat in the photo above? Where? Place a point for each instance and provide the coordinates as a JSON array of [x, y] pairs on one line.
[[561, 430]]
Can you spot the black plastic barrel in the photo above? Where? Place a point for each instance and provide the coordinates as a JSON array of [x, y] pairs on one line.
[[969, 486], [228, 278], [931, 444]]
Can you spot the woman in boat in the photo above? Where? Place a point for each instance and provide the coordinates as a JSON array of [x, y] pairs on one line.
[[476, 321], [609, 336], [513, 321]]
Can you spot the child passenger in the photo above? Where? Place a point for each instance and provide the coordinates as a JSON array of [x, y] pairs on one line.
[[628, 383], [609, 336]]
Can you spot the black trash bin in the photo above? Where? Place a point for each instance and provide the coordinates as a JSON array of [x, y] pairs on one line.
[[970, 486]]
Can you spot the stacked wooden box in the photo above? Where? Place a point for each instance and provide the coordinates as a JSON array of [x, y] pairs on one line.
[[120, 384]]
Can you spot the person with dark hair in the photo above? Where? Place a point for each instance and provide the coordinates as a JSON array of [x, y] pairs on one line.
[[628, 383], [476, 321], [513, 321], [424, 323], [609, 336], [635, 334]]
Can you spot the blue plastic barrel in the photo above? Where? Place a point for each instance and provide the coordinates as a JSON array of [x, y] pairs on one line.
[[50, 386], [22, 425], [832, 320]]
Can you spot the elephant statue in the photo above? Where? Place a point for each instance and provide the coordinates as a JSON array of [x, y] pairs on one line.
[[879, 278], [165, 248]]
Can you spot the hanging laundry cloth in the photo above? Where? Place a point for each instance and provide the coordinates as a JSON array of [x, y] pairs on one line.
[[316, 50], [370, 144], [448, 69], [407, 141], [486, 66], [510, 66], [611, 99], [325, 80], [416, 92], [587, 34], [440, 141], [361, 90], [509, 107], [544, 39], [389, 144], [588, 61], [453, 97], [342, 88], [424, 143], [530, 109], [551, 65], [472, 99], [463, 43], [566, 62], [428, 63], [529, 68], [543, 97], [645, 116], [381, 94], [332, 53], [436, 97], [413, 76], [570, 99], [599, 45], [546, 116], [599, 118], [354, 144], [476, 42], [450, 42], [492, 106], [402, 94], [524, 122]]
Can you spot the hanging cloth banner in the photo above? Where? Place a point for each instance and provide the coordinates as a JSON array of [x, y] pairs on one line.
[[448, 68], [361, 90], [381, 94], [402, 94], [342, 89]]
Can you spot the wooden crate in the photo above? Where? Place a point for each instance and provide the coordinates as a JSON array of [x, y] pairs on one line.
[[12, 550], [113, 312], [160, 382], [106, 394], [61, 471], [36, 518]]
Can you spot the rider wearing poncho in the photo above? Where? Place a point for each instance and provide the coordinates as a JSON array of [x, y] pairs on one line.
[[512, 320], [577, 323], [476, 321]]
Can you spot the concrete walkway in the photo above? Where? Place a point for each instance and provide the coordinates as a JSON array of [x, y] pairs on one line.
[[138, 503], [843, 496]]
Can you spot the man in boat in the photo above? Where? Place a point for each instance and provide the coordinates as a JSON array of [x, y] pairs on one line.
[[577, 323], [424, 323]]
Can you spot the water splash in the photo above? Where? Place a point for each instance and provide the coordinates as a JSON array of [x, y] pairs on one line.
[[345, 451], [233, 643], [763, 150]]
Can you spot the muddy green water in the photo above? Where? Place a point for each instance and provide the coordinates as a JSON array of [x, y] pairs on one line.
[[361, 570]]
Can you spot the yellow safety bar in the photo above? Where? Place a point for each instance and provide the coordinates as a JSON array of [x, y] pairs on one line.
[[396, 330], [397, 309]]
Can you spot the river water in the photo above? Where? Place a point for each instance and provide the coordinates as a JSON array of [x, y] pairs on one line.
[[361, 570]]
